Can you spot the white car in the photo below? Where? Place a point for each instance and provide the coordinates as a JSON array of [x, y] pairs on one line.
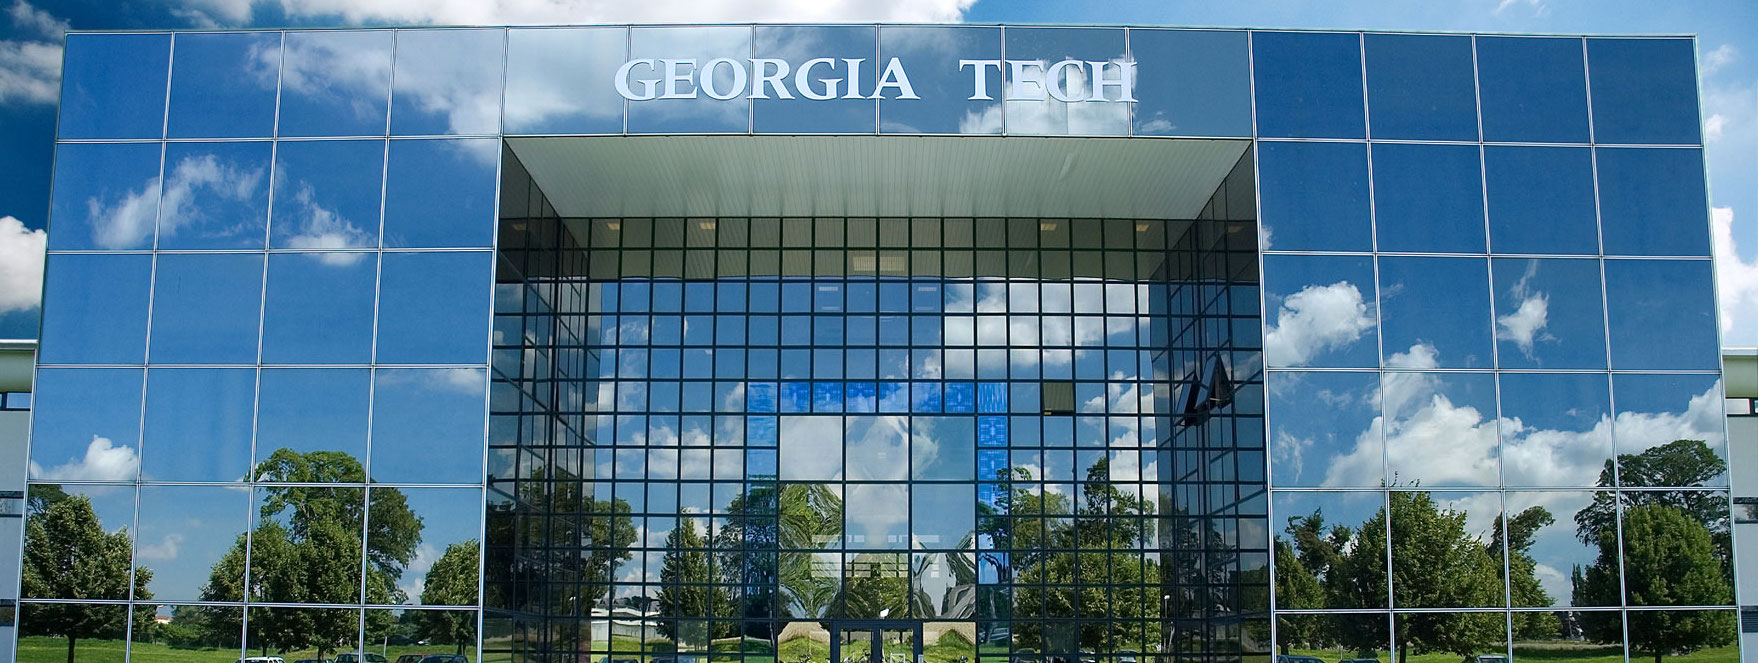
[[262, 659]]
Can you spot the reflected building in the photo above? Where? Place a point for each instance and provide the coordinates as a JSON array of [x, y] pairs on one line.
[[832, 344]]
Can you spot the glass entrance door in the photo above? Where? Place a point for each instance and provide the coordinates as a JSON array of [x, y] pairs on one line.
[[866, 642]]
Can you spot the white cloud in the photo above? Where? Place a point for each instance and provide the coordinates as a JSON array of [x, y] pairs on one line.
[[126, 223], [1525, 326], [30, 69], [414, 578], [30, 19], [103, 461], [1537, 7], [1722, 56], [1736, 278], [21, 266], [165, 550], [204, 174], [558, 12], [1318, 318], [1714, 127]]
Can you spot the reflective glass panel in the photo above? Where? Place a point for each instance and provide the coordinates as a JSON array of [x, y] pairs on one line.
[[1651, 202], [681, 106], [1661, 313], [219, 634], [1540, 200], [1676, 552], [1314, 197], [113, 86], [1428, 198], [87, 425], [1667, 431], [1312, 536], [1548, 313], [1711, 630], [1324, 430], [198, 424], [447, 82], [439, 564], [328, 291], [1644, 90], [89, 532], [105, 196], [427, 425], [1326, 312], [1308, 84], [874, 520], [303, 410], [1435, 312], [1489, 630], [829, 94], [327, 194], [943, 448], [1049, 84], [1555, 429], [216, 196], [337, 628], [944, 105], [1445, 552], [97, 309], [223, 85], [561, 81], [1421, 87], [940, 515], [185, 531], [877, 448], [314, 531], [335, 82], [1441, 429], [1201, 83], [1544, 538], [813, 446], [433, 308], [440, 193], [1533, 89], [206, 308]]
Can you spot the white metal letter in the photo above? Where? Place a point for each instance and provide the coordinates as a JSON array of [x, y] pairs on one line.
[[673, 76], [706, 77], [979, 78], [895, 77], [854, 78], [1056, 81], [622, 81], [1125, 81], [773, 78], [1027, 85], [803, 80]]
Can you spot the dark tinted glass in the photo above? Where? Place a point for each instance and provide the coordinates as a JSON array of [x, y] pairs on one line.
[[1308, 84], [1662, 314], [1421, 87], [113, 86], [1652, 202], [1644, 90], [223, 85], [1540, 200], [1314, 196], [1428, 198], [1200, 82], [96, 310], [1533, 89], [105, 196]]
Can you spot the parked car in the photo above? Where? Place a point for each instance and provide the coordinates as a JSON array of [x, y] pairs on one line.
[[410, 658], [361, 657], [1359, 660], [316, 660], [444, 658], [1486, 658], [1301, 659], [608, 659], [262, 659]]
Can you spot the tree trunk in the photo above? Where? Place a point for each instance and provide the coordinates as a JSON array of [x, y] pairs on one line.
[[70, 640], [460, 651], [1657, 654], [1404, 654]]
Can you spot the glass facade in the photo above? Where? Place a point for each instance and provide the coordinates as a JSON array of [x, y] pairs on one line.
[[339, 356]]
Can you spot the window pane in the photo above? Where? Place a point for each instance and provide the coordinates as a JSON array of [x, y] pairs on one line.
[[944, 106], [1421, 87], [1202, 86], [335, 83], [1533, 89], [1441, 429], [427, 425], [1548, 313], [813, 446], [1428, 198], [434, 308], [302, 410], [1644, 90], [86, 425], [328, 291], [943, 448], [1551, 545], [327, 194], [1651, 202], [1039, 112], [105, 196], [1314, 196], [1436, 312], [443, 558], [942, 515], [1308, 84], [198, 424], [113, 86], [1540, 200], [1676, 553], [1445, 556], [1668, 432], [698, 114], [1661, 313], [76, 510], [1322, 430], [216, 196], [185, 531], [848, 108], [1555, 429], [447, 82], [1325, 312], [877, 448], [874, 517], [440, 193], [97, 312], [1311, 517], [561, 81], [206, 308], [223, 85]]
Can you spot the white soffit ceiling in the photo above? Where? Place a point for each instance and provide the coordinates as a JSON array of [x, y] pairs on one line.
[[929, 176]]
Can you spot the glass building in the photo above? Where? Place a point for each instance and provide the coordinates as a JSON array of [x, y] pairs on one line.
[[856, 343]]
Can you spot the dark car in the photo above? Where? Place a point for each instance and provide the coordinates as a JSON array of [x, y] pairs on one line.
[[444, 658], [361, 657], [410, 658], [1299, 659]]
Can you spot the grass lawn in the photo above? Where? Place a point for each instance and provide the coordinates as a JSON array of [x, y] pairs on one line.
[[38, 649], [1564, 652]]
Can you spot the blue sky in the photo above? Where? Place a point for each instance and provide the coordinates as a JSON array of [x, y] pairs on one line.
[[1727, 32]]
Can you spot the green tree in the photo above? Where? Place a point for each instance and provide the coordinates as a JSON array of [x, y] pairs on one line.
[[68, 555], [1523, 582], [1296, 589], [451, 581], [1669, 560], [1436, 563], [687, 590], [1676, 464]]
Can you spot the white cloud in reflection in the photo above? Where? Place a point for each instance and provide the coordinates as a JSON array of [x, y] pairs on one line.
[[320, 228], [414, 578], [353, 69], [165, 550], [1316, 319], [569, 12], [1526, 325], [128, 222], [103, 461], [21, 266], [205, 174]]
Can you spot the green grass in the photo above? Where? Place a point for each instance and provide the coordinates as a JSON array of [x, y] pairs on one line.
[[38, 649], [1563, 652]]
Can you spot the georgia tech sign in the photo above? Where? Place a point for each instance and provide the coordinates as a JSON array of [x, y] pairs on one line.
[[820, 79]]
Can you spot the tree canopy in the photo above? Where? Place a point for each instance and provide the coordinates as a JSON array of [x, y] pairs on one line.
[[68, 555]]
